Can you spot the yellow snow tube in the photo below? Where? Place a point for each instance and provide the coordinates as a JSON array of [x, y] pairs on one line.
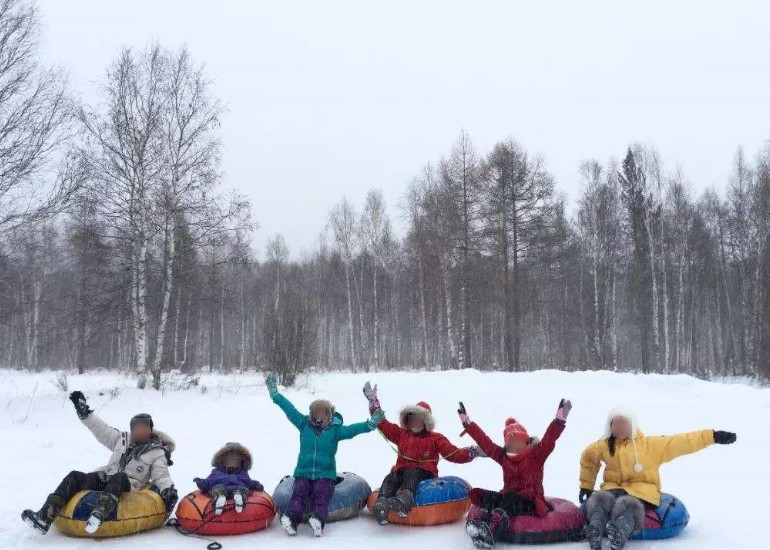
[[137, 511]]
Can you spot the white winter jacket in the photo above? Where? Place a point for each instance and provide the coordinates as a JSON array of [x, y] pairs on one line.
[[150, 466]]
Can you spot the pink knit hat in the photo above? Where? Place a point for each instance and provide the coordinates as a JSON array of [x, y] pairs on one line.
[[514, 430]]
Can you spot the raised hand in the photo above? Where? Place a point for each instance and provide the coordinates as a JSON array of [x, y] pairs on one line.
[[463, 415], [377, 417], [724, 438], [272, 384], [81, 405], [565, 406], [371, 395]]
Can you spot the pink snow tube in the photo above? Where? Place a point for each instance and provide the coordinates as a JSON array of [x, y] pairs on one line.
[[564, 523]]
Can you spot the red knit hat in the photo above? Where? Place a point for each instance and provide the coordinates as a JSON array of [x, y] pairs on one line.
[[514, 430], [424, 405]]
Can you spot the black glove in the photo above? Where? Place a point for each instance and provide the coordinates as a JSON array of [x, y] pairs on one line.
[[81, 405], [170, 497], [724, 438], [585, 494]]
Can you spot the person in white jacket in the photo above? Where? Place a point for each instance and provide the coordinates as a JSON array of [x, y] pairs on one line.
[[139, 457]]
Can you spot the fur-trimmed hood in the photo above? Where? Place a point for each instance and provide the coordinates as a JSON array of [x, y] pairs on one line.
[[422, 410], [625, 413], [218, 459]]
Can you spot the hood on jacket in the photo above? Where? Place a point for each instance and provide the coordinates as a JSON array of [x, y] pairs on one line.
[[635, 432], [168, 444], [421, 409], [621, 412], [325, 403], [218, 460]]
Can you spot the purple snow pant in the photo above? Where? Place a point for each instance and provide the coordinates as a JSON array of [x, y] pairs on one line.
[[318, 491]]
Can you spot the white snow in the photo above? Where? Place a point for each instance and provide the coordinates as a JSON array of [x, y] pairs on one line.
[[724, 487]]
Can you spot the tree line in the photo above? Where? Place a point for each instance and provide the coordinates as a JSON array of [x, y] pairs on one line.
[[120, 248]]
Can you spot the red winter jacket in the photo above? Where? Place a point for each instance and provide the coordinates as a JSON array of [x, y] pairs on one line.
[[522, 473], [421, 450]]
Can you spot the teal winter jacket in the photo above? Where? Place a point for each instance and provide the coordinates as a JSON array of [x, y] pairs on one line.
[[318, 449]]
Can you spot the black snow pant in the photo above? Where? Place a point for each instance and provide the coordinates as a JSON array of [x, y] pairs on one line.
[[403, 480], [511, 502], [75, 481]]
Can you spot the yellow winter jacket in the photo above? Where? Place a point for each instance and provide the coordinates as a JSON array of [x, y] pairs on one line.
[[652, 452]]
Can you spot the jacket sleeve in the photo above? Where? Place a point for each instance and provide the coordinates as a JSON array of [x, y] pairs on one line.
[[491, 449], [669, 447], [349, 432], [255, 485], [291, 412], [103, 432], [450, 452], [391, 431], [548, 443], [590, 463], [206, 484], [159, 474]]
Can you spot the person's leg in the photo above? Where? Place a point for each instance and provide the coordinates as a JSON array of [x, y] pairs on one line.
[[112, 489], [323, 489], [410, 479], [381, 507], [297, 504], [598, 509], [239, 499], [219, 498], [626, 519], [479, 527], [515, 505], [72, 483]]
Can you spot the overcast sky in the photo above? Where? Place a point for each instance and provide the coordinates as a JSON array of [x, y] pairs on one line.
[[329, 99]]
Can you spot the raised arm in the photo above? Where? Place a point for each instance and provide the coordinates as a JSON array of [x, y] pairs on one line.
[[554, 431], [104, 433], [349, 432], [669, 447], [490, 448], [590, 462], [391, 431], [291, 412]]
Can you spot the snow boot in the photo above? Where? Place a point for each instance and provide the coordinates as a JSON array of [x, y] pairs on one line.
[[42, 519], [380, 510], [480, 534], [317, 524], [104, 507], [402, 503], [627, 519], [239, 499], [289, 524], [219, 504], [498, 521], [598, 510]]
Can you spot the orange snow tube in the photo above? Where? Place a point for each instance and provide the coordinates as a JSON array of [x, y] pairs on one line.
[[195, 514], [436, 501]]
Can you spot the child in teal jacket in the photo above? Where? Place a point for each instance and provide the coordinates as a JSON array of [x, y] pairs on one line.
[[316, 471]]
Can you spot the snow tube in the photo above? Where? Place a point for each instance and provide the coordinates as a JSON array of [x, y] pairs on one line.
[[564, 523], [137, 511], [668, 520], [436, 501], [348, 499], [195, 513]]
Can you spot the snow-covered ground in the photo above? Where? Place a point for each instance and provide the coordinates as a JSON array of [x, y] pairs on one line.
[[724, 487]]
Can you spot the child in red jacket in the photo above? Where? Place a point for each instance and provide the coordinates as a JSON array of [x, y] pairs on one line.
[[419, 450], [522, 459]]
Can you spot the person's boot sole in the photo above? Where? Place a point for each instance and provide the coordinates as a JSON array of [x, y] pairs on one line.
[[482, 537], [287, 526], [316, 526], [28, 517], [615, 537]]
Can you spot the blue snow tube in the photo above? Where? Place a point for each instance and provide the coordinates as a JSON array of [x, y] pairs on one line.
[[348, 499], [668, 520], [441, 489], [664, 522]]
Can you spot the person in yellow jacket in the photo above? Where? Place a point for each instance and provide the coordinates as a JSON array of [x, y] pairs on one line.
[[631, 479]]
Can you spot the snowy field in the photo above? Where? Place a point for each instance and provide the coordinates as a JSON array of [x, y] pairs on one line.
[[724, 487]]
